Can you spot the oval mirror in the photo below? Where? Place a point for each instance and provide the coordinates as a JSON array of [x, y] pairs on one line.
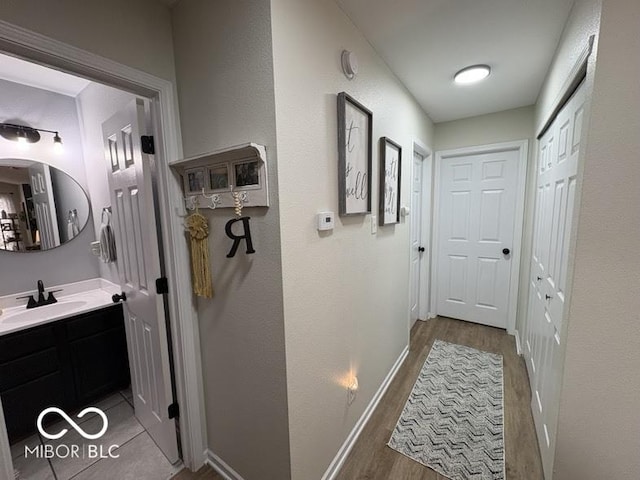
[[41, 207]]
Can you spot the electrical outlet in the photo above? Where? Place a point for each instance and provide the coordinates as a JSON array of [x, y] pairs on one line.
[[374, 224]]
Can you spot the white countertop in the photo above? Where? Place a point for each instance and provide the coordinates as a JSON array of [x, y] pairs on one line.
[[16, 318]]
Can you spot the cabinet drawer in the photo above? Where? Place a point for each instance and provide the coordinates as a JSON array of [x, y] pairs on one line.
[[95, 322], [25, 343], [25, 369]]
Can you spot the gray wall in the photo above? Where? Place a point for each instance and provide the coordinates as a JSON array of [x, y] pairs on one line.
[[133, 32], [346, 291], [225, 85], [39, 108]]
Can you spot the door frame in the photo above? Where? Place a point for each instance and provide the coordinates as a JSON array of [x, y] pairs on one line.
[[521, 146], [425, 229], [162, 94]]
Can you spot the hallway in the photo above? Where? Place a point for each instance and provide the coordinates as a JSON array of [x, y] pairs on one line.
[[372, 459]]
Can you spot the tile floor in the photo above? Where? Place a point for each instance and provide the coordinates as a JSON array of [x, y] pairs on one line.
[[139, 457]]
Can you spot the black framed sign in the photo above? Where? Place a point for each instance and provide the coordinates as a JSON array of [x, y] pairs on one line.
[[390, 170], [355, 125]]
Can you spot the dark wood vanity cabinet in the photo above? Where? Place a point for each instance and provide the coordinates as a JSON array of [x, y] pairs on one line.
[[68, 364]]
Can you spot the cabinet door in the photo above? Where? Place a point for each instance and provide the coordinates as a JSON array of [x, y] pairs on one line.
[[23, 404], [98, 354]]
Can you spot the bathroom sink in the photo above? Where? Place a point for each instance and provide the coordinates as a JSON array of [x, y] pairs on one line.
[[48, 311]]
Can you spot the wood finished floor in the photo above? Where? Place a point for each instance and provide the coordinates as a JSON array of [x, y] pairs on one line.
[[205, 473], [370, 457]]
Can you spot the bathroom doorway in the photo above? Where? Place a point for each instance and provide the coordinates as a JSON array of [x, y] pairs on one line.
[[118, 405]]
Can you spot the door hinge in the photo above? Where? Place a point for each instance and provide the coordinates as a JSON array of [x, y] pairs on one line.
[[148, 145], [174, 410], [162, 286]]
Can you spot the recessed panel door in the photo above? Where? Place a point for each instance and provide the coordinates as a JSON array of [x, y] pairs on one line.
[[475, 236], [557, 167], [417, 250], [138, 268], [44, 205]]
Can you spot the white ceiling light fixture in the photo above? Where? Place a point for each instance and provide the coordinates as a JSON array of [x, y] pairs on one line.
[[472, 74], [349, 64]]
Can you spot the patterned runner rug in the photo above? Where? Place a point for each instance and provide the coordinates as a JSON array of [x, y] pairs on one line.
[[453, 419]]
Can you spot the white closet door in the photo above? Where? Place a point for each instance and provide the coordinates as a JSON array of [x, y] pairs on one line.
[[557, 168]]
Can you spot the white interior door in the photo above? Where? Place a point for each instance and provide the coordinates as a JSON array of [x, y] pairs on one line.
[[44, 205], [138, 267], [478, 194], [417, 250], [557, 167]]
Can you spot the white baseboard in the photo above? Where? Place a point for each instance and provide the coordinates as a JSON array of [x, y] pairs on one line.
[[431, 315], [339, 459], [221, 467], [518, 344]]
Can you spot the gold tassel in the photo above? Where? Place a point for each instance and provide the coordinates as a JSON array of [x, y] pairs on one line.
[[198, 229]]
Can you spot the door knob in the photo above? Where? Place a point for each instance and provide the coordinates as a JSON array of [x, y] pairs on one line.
[[538, 278], [506, 251], [421, 249], [548, 297], [119, 297]]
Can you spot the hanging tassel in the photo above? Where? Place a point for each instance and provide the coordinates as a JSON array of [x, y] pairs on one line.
[[198, 229]]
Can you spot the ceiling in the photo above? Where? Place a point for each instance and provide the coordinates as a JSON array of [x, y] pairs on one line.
[[425, 42], [18, 71]]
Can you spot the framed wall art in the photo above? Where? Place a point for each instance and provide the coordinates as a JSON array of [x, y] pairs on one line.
[[390, 170], [355, 125]]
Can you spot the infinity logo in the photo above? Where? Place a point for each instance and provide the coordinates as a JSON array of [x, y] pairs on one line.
[[75, 426]]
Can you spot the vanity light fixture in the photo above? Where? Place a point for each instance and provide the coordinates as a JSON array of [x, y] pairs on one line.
[[472, 74], [25, 135]]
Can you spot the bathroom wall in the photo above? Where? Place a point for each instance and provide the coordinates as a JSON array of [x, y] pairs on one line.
[[96, 103], [39, 108], [225, 84], [346, 292]]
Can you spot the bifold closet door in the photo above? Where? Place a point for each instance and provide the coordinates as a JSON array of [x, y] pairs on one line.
[[557, 166]]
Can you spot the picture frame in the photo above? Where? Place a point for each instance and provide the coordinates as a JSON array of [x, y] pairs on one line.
[[194, 180], [390, 177], [219, 178], [355, 127], [246, 174]]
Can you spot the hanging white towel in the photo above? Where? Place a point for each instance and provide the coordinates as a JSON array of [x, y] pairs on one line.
[[107, 239]]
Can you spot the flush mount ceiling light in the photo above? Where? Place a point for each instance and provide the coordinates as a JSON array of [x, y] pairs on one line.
[[24, 135], [472, 74]]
